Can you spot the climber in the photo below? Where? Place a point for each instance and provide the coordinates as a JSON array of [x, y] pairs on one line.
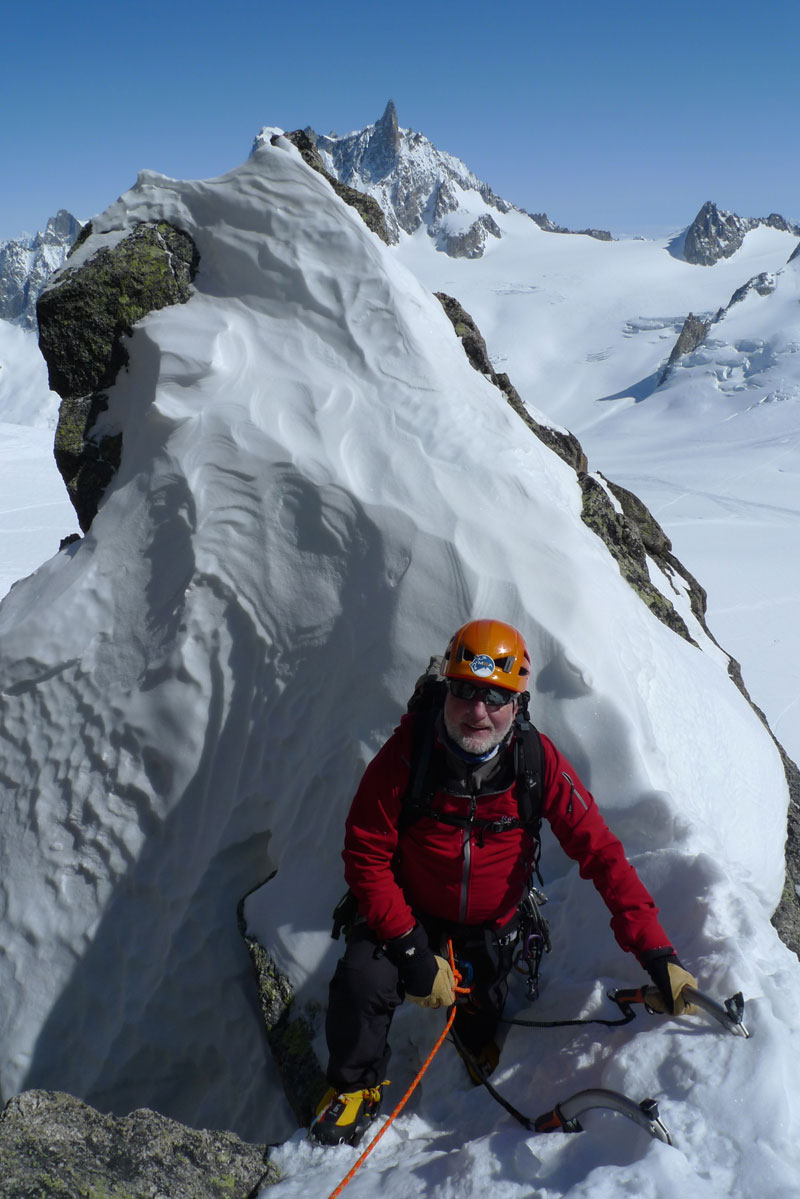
[[441, 841]]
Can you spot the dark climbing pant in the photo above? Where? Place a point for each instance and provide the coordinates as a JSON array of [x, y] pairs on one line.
[[366, 989]]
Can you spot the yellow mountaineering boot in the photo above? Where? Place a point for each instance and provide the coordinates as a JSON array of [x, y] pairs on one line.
[[343, 1116]]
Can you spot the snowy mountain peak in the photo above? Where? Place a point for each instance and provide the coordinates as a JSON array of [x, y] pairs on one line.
[[415, 184], [715, 233], [27, 262]]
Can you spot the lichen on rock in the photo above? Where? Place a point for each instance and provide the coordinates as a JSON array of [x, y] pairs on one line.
[[84, 313], [290, 1031], [52, 1145], [622, 535], [562, 442]]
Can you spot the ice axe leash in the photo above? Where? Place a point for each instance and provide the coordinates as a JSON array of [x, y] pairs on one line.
[[564, 1117], [728, 1014]]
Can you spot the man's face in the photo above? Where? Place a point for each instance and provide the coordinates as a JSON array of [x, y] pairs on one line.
[[474, 726]]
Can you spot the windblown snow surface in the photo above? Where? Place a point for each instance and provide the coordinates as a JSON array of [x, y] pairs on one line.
[[316, 488]]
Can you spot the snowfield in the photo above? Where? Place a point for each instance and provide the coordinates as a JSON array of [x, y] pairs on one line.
[[316, 489]]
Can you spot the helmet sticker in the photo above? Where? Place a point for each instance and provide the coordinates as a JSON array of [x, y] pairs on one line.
[[482, 665]]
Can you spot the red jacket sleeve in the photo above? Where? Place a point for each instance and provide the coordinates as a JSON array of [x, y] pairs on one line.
[[371, 835], [585, 837]]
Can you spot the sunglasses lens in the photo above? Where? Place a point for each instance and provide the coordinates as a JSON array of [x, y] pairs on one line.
[[493, 697]]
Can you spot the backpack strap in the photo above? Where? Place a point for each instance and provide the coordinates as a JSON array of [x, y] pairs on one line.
[[426, 702], [529, 770]]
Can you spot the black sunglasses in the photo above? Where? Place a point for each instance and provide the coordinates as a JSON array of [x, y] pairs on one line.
[[493, 697]]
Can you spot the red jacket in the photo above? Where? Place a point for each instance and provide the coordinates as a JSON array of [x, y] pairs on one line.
[[445, 871]]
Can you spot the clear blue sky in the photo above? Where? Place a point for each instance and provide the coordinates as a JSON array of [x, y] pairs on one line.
[[625, 115]]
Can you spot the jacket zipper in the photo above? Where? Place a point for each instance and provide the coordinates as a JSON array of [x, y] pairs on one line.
[[573, 794], [466, 844]]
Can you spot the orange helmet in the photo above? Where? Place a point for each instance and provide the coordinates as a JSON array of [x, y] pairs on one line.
[[488, 651]]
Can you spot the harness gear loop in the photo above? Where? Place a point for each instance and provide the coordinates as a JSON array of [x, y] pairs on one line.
[[451, 1017]]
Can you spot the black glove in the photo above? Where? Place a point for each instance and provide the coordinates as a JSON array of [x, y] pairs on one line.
[[670, 977], [415, 961]]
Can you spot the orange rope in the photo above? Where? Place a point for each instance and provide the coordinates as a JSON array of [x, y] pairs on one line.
[[413, 1087]]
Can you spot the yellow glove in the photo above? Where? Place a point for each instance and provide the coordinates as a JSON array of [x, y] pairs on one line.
[[676, 978], [443, 991]]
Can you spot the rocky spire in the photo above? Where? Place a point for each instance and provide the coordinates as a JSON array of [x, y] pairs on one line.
[[380, 156]]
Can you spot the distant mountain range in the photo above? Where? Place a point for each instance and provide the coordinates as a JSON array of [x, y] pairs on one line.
[[27, 262], [414, 184]]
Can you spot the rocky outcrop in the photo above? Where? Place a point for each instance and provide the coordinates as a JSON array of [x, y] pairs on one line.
[[629, 530], [623, 537], [472, 241], [764, 284], [366, 206], [27, 263], [544, 222], [715, 234], [692, 335], [290, 1032], [712, 235], [84, 314], [563, 443], [53, 1145], [786, 918], [794, 254]]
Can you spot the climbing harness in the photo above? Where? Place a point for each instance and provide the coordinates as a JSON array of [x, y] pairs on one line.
[[534, 939]]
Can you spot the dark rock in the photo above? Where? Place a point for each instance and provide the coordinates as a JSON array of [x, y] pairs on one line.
[[544, 222], [692, 335], [622, 534], [367, 207], [786, 917], [84, 312], [53, 1145], [563, 443], [714, 234], [630, 535], [384, 146], [794, 254], [776, 221], [764, 284], [470, 243], [290, 1032]]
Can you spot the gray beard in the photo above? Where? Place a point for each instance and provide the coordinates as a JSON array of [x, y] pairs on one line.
[[478, 743]]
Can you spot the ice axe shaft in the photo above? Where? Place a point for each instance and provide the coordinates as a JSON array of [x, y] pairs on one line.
[[564, 1116], [728, 1014]]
